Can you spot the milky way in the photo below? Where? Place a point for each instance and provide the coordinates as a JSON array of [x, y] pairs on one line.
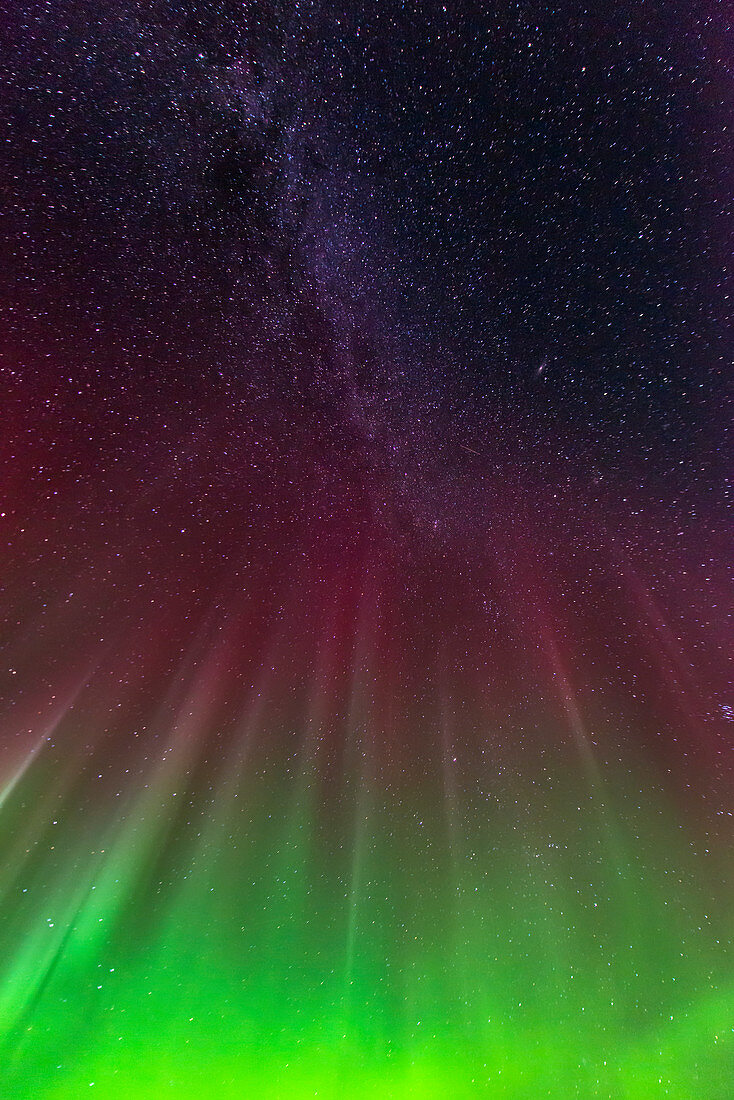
[[365, 713]]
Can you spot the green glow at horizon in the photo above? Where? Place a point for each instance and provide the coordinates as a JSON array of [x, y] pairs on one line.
[[397, 944]]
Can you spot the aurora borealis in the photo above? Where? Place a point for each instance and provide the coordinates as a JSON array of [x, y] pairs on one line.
[[365, 706]]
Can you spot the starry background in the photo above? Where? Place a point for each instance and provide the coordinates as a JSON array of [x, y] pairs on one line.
[[365, 721]]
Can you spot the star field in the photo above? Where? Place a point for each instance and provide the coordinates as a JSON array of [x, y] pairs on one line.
[[365, 705]]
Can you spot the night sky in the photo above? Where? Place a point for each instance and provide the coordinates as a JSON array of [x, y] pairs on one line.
[[365, 707]]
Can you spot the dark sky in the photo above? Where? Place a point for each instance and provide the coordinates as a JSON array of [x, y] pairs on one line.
[[466, 222]]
